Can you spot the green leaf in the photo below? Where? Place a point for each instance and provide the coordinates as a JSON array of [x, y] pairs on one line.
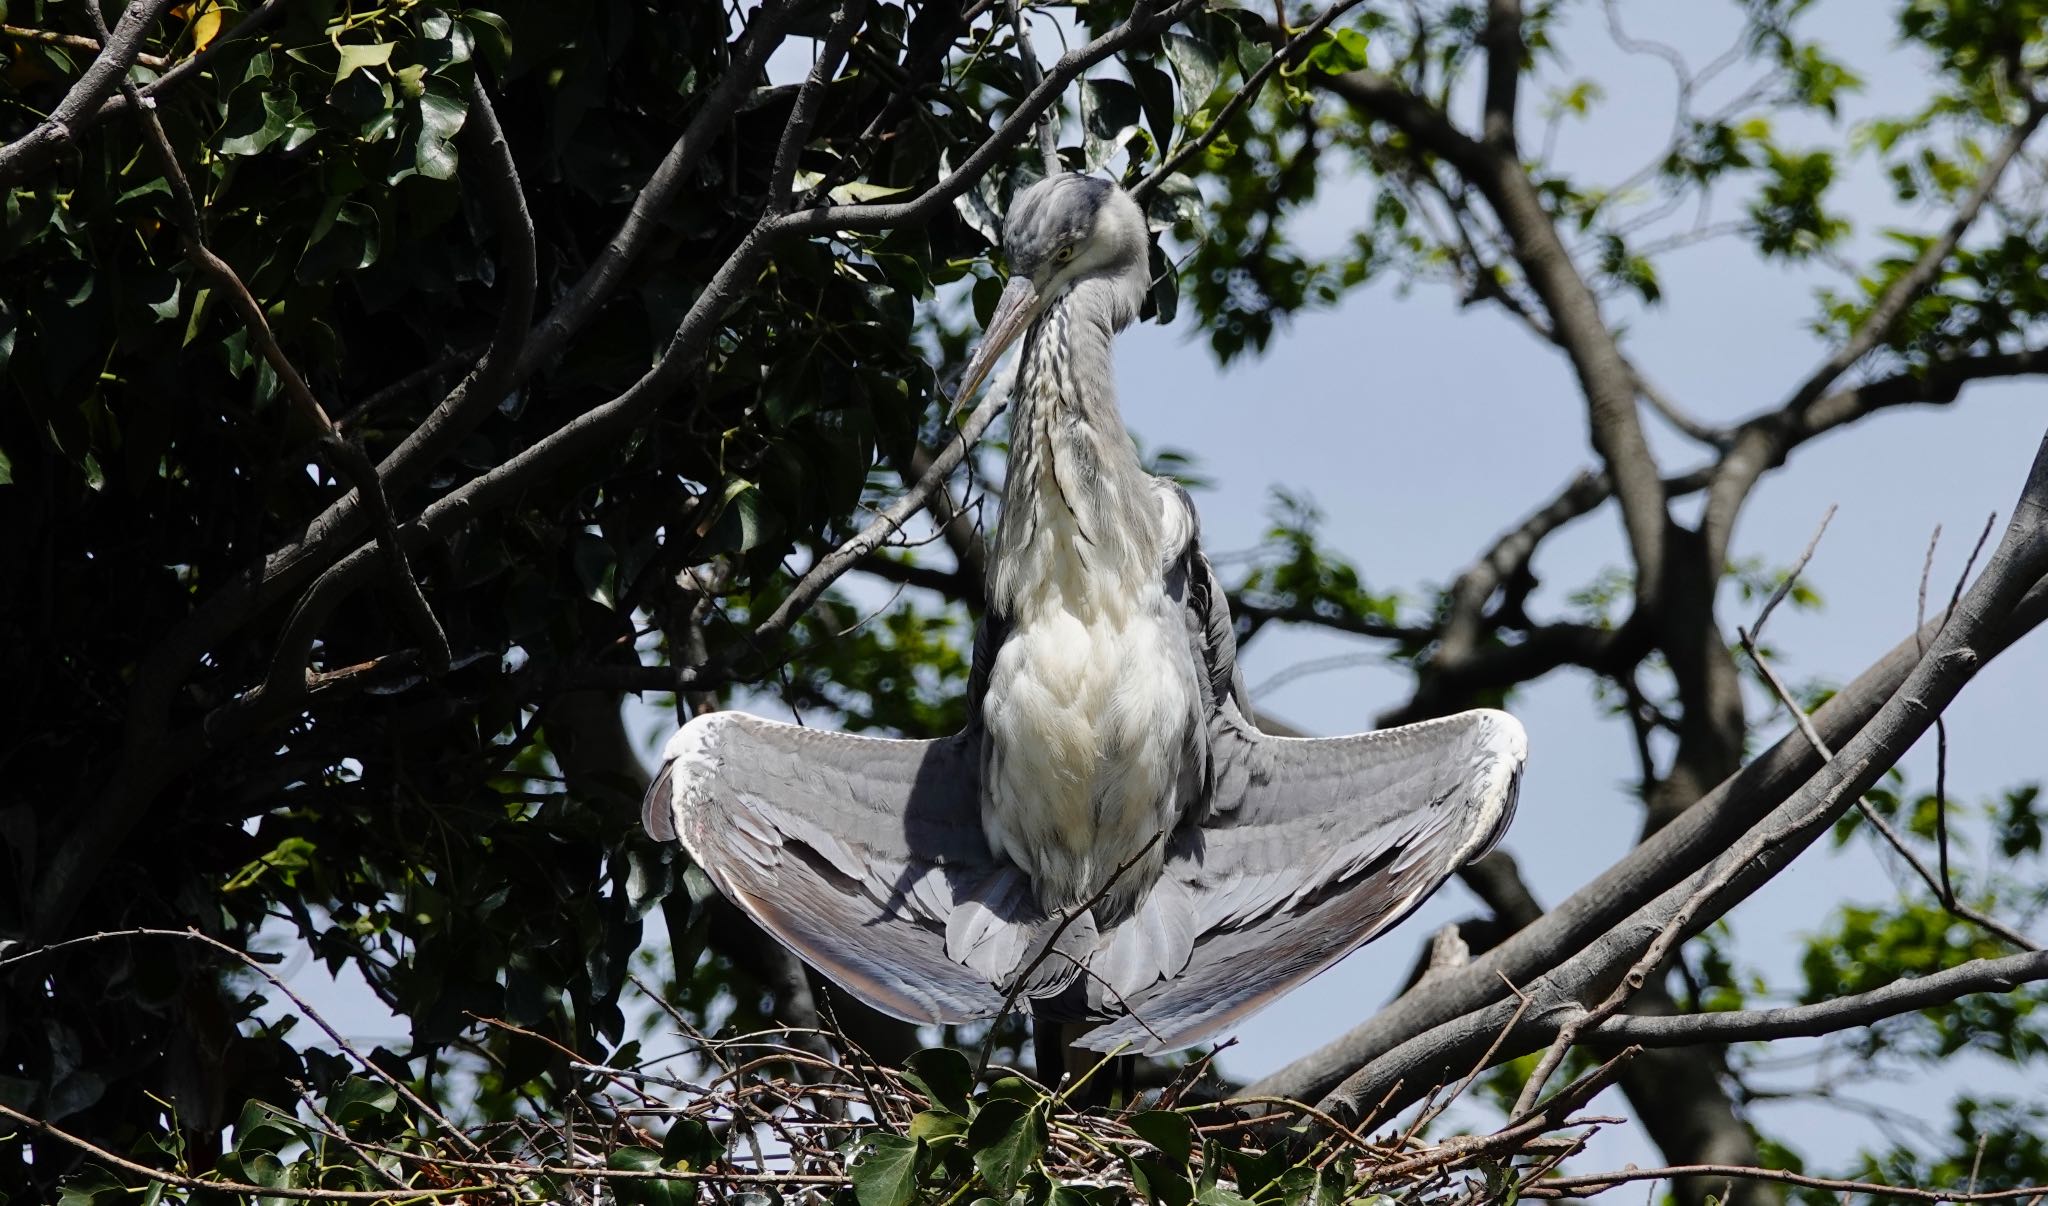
[[361, 1099], [887, 1175], [160, 292], [1339, 51], [1109, 116], [255, 120], [934, 1125], [649, 1192], [1155, 97], [1160, 1183], [442, 113], [90, 1186], [1196, 66], [6, 469], [1171, 1133], [357, 55], [492, 35], [1007, 1137], [263, 1127], [690, 1146], [945, 1076]]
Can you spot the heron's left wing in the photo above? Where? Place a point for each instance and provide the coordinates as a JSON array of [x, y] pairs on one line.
[[1312, 848], [864, 855]]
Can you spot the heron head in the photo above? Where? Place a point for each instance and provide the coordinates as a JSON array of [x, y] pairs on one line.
[[1062, 230]]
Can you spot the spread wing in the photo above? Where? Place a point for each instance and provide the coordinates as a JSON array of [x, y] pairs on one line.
[[1313, 848], [858, 852], [867, 856]]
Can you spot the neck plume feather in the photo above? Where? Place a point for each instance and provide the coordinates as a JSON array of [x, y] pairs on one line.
[[1080, 517]]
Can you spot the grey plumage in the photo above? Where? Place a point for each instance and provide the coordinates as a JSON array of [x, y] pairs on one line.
[[1109, 729]]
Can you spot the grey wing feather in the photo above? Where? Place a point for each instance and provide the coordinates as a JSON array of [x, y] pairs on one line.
[[851, 850], [1313, 848]]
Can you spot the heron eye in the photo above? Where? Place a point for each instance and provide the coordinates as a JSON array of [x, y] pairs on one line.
[[1064, 254]]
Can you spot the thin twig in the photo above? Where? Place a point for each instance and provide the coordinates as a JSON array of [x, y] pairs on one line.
[[1142, 191], [1599, 1182], [1048, 132]]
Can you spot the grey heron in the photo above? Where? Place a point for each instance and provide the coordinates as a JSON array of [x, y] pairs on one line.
[[1110, 838]]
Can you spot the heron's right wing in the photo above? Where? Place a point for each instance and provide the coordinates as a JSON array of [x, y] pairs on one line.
[[859, 853], [1312, 848]]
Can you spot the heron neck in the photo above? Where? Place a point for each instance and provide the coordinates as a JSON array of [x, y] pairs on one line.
[[1080, 525]]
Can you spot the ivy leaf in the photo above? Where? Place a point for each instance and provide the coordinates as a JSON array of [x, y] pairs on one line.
[[945, 1076], [441, 116], [492, 36], [1155, 96], [1160, 1183], [690, 1146], [648, 1192], [357, 55], [887, 1176], [255, 120], [1171, 1133], [360, 1100], [1339, 51], [1007, 1136]]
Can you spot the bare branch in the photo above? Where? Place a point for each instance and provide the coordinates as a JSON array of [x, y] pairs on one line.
[[1048, 131], [1698, 835], [2006, 595], [887, 216], [1761, 443], [50, 37], [1604, 375], [1592, 1183]]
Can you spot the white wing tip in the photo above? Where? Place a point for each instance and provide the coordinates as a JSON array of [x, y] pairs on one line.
[[694, 742], [1497, 777], [687, 761], [1502, 734]]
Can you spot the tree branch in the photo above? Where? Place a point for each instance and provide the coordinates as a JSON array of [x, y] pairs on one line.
[[2002, 598], [1759, 444], [804, 114], [1698, 835], [1604, 375], [80, 106], [1905, 995]]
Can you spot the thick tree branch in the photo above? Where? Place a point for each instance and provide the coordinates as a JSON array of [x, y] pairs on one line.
[[1504, 52], [80, 106], [1700, 834], [21, 158], [749, 54], [2003, 598], [1906, 995]]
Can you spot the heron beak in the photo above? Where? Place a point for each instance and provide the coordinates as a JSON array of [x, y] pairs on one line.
[[1013, 313]]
